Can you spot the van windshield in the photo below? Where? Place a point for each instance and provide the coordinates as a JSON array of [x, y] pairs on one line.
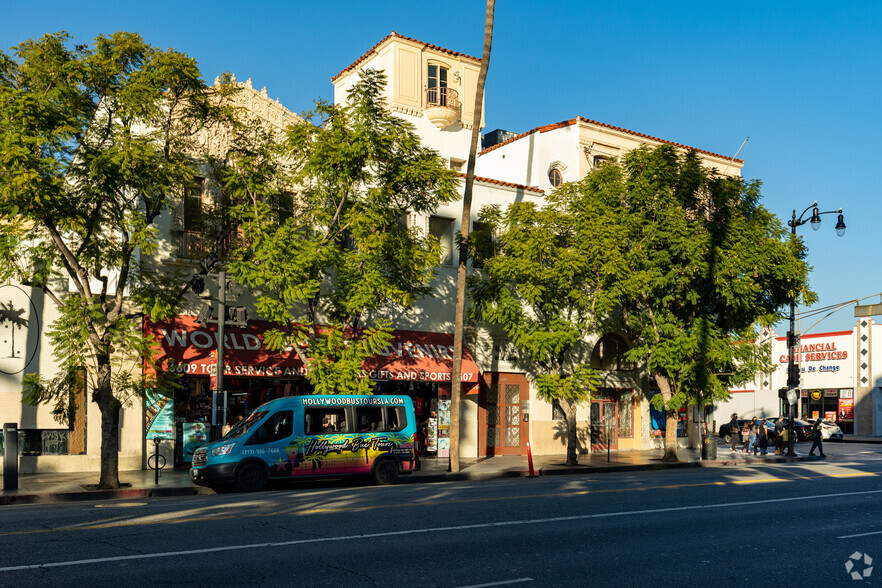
[[245, 425]]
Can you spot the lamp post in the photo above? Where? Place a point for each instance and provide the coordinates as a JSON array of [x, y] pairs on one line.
[[792, 338]]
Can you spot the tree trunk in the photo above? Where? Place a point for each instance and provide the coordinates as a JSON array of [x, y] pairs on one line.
[[572, 440], [456, 379], [109, 407], [664, 385]]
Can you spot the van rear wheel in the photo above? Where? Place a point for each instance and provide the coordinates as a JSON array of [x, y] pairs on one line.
[[386, 472], [250, 478]]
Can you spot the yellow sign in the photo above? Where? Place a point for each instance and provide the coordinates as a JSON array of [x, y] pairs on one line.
[[816, 394]]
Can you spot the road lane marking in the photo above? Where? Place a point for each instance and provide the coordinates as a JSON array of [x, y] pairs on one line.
[[860, 535], [424, 531], [503, 583], [327, 510]]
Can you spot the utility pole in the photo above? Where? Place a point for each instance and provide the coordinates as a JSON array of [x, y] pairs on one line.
[[235, 316]]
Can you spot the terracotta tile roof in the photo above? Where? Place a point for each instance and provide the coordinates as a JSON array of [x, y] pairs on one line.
[[506, 184], [572, 121], [370, 51]]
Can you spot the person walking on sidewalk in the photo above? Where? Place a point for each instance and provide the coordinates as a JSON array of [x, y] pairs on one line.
[[816, 439], [762, 439], [734, 431], [779, 436], [752, 430]]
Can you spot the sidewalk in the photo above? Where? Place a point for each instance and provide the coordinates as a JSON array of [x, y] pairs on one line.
[[68, 487]]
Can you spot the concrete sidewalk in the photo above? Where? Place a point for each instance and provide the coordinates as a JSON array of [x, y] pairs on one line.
[[67, 487]]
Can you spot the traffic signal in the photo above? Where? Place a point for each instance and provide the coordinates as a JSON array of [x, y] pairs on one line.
[[782, 393], [793, 379]]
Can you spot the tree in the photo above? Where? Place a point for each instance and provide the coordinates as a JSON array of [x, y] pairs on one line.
[[705, 264], [94, 140], [550, 285], [325, 240], [456, 382]]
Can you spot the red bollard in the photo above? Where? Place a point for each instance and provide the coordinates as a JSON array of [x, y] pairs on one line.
[[530, 461]]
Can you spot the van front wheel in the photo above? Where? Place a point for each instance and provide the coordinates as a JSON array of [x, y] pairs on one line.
[[386, 472], [251, 478]]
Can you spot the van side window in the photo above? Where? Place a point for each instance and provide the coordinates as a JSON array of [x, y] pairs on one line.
[[369, 418], [324, 421], [279, 426], [396, 418]]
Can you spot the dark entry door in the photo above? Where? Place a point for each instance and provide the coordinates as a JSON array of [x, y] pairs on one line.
[[604, 422], [503, 428]]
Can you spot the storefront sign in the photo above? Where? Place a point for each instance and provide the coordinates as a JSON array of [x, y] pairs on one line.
[[816, 394], [824, 351], [187, 347], [829, 415]]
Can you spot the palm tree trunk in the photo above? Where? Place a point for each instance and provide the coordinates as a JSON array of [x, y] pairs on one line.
[[456, 376]]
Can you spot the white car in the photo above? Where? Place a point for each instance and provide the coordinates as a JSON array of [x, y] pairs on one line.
[[830, 430]]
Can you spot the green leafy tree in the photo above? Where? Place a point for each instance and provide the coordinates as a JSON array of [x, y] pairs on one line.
[[550, 285], [324, 238], [93, 142], [705, 265]]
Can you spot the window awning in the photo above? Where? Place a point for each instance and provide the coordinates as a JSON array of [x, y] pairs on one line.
[[411, 356]]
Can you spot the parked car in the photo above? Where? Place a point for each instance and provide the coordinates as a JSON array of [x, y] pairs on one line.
[[830, 430], [802, 429]]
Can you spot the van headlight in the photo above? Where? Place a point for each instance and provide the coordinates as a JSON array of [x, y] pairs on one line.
[[222, 450]]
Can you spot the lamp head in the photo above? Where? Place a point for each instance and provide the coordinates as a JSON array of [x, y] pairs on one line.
[[816, 219], [840, 224]]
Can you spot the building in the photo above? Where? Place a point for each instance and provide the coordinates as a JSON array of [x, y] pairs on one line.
[[839, 380], [433, 88]]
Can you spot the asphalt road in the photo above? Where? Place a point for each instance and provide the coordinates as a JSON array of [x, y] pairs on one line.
[[775, 524]]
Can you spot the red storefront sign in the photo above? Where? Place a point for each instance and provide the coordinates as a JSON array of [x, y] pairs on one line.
[[189, 348]]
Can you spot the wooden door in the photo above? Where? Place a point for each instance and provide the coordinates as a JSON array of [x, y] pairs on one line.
[[503, 405]]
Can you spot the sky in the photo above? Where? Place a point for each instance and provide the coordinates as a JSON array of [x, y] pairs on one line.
[[802, 80]]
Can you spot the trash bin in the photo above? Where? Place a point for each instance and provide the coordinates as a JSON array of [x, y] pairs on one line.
[[709, 447]]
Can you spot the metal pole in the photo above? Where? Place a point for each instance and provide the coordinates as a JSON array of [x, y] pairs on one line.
[[221, 321], [791, 364], [10, 456]]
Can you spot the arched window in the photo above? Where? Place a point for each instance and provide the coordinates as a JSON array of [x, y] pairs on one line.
[[609, 354]]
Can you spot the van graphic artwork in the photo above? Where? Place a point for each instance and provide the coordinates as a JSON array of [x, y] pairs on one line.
[[301, 436]]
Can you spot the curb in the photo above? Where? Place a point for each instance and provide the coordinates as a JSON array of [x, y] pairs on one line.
[[88, 495]]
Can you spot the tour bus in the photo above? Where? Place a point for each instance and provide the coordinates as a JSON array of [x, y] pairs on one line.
[[306, 436]]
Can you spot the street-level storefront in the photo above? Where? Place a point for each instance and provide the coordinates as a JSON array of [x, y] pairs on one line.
[[415, 363], [838, 381]]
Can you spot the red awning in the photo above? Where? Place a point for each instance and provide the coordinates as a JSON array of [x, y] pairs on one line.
[[411, 356]]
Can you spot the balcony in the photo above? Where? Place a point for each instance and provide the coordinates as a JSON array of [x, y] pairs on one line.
[[442, 106]]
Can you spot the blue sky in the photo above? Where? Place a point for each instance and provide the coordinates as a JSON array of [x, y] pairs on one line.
[[801, 79]]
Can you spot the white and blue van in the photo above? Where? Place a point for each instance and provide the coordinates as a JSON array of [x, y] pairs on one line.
[[300, 436]]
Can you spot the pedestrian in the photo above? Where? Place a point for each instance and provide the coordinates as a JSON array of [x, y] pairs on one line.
[[762, 438], [779, 436], [734, 431], [752, 430], [745, 436], [816, 439]]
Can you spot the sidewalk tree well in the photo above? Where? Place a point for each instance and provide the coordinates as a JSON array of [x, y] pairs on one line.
[[706, 265], [549, 282], [325, 240], [94, 140]]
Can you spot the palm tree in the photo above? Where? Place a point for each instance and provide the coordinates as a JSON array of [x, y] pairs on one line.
[[12, 315], [456, 383]]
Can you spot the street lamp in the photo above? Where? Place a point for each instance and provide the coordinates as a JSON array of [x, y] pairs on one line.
[[792, 339]]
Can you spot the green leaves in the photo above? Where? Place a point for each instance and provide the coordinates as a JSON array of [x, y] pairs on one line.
[[343, 255]]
